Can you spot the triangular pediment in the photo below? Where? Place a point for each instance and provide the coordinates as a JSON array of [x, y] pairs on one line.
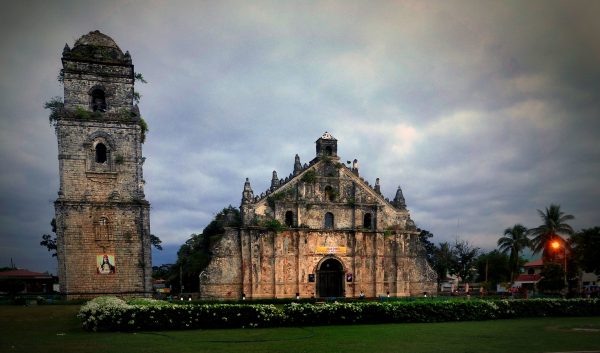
[[323, 171]]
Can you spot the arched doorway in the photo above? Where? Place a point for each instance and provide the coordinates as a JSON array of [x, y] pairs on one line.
[[330, 279]]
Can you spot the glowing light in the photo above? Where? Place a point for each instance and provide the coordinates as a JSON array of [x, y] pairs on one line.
[[555, 245]]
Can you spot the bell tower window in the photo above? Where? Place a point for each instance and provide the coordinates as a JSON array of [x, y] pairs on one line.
[[100, 153], [98, 100]]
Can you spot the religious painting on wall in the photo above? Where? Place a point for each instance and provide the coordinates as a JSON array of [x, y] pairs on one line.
[[105, 264]]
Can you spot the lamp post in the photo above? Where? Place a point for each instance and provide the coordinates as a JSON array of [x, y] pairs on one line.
[[556, 245]]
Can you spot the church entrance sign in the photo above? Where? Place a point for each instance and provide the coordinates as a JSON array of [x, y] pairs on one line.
[[331, 249]]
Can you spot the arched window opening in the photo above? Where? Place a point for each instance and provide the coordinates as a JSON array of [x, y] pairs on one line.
[[100, 153], [328, 220], [329, 194], [367, 221], [289, 218], [98, 100], [328, 151]]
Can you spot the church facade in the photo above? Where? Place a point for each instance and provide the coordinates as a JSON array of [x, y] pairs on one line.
[[102, 216], [323, 231]]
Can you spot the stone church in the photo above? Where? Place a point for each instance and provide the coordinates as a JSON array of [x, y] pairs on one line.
[[102, 216], [323, 231]]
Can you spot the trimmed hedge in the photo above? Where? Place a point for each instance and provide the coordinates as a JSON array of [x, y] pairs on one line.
[[113, 314]]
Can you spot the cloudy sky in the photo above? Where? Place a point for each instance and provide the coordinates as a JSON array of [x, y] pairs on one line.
[[483, 111]]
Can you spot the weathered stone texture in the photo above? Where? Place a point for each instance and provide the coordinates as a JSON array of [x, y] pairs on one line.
[[101, 207], [373, 241], [117, 82], [265, 264]]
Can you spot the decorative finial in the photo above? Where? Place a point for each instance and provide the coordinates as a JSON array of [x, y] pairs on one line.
[[327, 136], [274, 181], [297, 165], [399, 201], [247, 194]]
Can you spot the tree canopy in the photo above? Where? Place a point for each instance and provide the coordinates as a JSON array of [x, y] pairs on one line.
[[49, 240], [464, 256], [513, 242], [554, 222], [586, 249], [493, 268], [195, 254]]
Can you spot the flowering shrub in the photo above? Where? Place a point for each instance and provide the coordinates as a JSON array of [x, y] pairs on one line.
[[101, 313], [113, 314]]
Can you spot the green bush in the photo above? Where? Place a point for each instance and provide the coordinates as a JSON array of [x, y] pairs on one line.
[[310, 177], [113, 314]]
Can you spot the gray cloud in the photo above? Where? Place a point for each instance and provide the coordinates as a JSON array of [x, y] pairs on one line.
[[482, 112]]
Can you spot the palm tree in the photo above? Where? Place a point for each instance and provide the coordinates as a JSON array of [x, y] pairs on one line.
[[553, 223], [514, 241]]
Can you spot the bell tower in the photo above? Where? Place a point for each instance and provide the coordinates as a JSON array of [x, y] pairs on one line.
[[102, 216], [327, 146]]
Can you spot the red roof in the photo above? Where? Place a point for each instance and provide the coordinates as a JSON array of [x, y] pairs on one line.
[[528, 278], [535, 263], [20, 273]]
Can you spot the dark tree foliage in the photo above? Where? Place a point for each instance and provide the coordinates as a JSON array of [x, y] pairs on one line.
[[552, 277], [586, 249], [156, 242], [463, 260], [513, 242], [441, 260], [428, 246], [554, 222], [162, 271], [195, 254], [497, 265], [49, 240]]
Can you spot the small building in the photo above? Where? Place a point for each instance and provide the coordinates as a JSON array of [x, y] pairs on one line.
[[21, 281], [531, 275]]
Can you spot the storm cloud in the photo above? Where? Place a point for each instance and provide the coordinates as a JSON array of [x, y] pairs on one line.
[[482, 111]]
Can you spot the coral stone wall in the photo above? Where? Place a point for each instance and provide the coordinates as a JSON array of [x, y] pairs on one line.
[[266, 264]]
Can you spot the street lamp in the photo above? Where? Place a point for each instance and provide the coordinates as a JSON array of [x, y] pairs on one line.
[[556, 245]]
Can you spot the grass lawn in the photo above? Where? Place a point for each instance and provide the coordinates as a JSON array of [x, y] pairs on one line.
[[54, 328]]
